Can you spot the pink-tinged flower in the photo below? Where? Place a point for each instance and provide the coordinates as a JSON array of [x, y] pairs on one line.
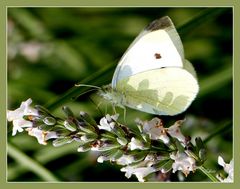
[[155, 130], [175, 132], [182, 162], [16, 116], [228, 168], [42, 136]]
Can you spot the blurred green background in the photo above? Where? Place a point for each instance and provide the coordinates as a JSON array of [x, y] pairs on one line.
[[51, 49]]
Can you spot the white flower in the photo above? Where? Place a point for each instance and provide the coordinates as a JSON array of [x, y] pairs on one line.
[[182, 162], [140, 172], [107, 123], [82, 149], [16, 116], [155, 130], [101, 159], [42, 136], [125, 160], [228, 168], [174, 131], [136, 144], [141, 169]]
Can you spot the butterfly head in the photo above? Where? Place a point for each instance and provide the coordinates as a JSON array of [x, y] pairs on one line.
[[111, 95]]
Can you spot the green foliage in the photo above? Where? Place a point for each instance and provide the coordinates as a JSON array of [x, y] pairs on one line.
[[52, 49]]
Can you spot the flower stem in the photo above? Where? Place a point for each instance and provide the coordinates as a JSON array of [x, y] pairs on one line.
[[225, 128], [30, 164], [208, 174]]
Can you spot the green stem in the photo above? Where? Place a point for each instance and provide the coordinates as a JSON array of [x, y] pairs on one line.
[[215, 81], [219, 131], [208, 174], [202, 17], [29, 163]]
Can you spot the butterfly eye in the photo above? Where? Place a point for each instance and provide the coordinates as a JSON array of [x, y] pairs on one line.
[[157, 56]]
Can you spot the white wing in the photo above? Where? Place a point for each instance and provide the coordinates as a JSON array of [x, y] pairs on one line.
[[166, 91], [158, 46]]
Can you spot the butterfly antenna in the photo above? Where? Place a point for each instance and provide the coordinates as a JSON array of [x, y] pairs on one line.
[[93, 88], [74, 98], [85, 85]]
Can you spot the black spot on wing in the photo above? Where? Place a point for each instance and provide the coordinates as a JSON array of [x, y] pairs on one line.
[[157, 55], [160, 23]]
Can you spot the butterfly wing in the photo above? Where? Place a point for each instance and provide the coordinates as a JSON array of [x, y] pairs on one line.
[[157, 46], [166, 91], [189, 67]]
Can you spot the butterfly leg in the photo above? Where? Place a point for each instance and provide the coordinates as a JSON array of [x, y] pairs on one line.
[[124, 114], [114, 109]]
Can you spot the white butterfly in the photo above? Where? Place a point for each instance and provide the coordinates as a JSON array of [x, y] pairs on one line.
[[153, 76]]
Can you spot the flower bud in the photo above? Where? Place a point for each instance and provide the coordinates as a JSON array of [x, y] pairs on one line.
[[67, 111], [49, 121], [42, 111], [84, 148], [104, 145], [89, 137], [86, 128], [203, 154], [70, 125], [61, 141], [88, 119], [111, 155]]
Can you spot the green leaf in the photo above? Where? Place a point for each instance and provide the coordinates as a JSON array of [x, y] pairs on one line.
[[138, 155], [121, 140], [164, 165], [107, 135], [179, 145]]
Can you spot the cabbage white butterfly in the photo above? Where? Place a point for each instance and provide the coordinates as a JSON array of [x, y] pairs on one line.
[[153, 76]]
